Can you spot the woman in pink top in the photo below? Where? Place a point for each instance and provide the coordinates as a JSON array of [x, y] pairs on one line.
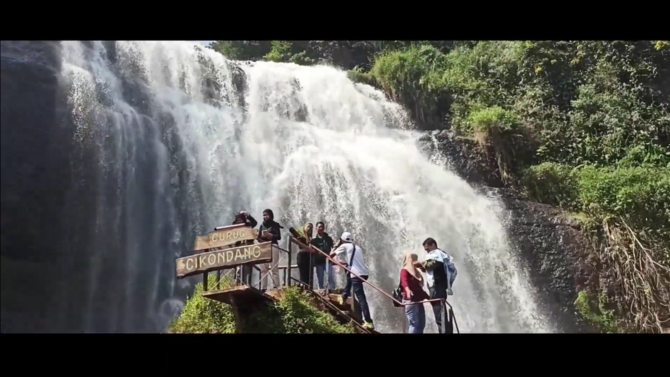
[[411, 281]]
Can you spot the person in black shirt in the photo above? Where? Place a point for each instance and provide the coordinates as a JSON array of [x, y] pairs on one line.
[[270, 231], [244, 218], [324, 242]]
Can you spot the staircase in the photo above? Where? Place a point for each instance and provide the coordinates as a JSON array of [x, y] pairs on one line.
[[344, 314]]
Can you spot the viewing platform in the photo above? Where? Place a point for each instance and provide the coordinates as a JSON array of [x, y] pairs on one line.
[[230, 248]]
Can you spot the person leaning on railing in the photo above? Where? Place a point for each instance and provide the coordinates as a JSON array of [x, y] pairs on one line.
[[441, 272], [357, 265], [325, 243], [305, 256], [411, 282]]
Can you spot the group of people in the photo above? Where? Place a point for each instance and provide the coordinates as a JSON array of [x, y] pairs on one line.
[[438, 266], [308, 257], [440, 273]]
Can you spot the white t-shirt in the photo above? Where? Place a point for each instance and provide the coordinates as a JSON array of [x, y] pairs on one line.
[[358, 266]]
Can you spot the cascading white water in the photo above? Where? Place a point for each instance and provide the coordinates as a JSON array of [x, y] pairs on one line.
[[184, 140]]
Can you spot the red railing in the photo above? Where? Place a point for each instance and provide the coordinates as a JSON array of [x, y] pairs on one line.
[[246, 279], [443, 301]]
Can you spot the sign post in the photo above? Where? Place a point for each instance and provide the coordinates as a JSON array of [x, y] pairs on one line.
[[220, 259], [225, 237]]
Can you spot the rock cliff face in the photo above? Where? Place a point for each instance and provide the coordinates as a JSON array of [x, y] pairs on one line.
[[555, 252], [34, 175]]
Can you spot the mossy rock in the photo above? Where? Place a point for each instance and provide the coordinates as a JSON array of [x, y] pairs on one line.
[[293, 313]]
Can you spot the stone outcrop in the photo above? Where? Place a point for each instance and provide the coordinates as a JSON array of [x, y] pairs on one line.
[[555, 252]]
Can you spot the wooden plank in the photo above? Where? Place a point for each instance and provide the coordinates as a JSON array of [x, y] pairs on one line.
[[221, 259], [241, 295], [225, 237]]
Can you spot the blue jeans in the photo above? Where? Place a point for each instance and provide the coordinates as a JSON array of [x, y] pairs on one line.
[[357, 284], [416, 316], [328, 270]]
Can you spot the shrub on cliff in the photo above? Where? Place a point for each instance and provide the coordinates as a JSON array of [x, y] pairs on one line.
[[632, 204], [585, 102], [359, 76], [204, 316], [638, 195], [293, 314], [413, 77], [296, 314]]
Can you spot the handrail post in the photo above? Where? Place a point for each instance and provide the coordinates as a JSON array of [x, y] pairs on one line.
[[311, 271], [288, 268], [443, 314]]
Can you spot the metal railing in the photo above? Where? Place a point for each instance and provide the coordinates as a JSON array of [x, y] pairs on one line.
[[245, 278], [443, 301], [287, 269]]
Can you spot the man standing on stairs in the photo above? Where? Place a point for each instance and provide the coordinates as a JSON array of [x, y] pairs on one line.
[[325, 244], [441, 273], [357, 265]]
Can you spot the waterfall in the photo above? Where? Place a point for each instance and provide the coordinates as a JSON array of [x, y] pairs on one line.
[[171, 139]]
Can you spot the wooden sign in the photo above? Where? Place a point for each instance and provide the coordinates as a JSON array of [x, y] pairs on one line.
[[220, 259], [225, 237]]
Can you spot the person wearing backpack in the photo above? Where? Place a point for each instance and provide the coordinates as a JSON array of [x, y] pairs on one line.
[[358, 266], [411, 282], [441, 273]]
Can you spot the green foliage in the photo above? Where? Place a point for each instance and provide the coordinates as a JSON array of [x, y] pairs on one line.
[[485, 119], [359, 76], [204, 316], [640, 195], [301, 58], [485, 75], [597, 315], [311, 51], [586, 102], [283, 52], [632, 206], [413, 77], [280, 52], [242, 50], [553, 183], [293, 314]]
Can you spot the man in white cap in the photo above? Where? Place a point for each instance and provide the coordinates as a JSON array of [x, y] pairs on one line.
[[356, 263]]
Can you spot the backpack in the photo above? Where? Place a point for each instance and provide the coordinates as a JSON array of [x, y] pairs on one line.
[[450, 272], [397, 295]]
